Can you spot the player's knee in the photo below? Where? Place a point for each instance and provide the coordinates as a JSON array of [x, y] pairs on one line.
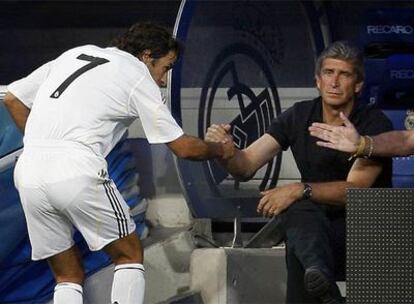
[[126, 250], [76, 276], [128, 256]]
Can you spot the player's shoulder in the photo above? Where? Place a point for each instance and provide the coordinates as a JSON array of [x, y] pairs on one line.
[[117, 57], [82, 48], [96, 51]]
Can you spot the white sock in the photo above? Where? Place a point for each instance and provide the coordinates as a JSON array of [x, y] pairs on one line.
[[129, 284], [68, 293]]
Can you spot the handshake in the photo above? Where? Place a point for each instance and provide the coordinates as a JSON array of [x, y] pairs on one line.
[[221, 134]]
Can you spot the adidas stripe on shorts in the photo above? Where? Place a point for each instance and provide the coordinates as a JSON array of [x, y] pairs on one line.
[[65, 185]]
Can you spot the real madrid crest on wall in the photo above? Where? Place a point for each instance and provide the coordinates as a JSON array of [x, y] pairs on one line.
[[409, 120], [236, 52]]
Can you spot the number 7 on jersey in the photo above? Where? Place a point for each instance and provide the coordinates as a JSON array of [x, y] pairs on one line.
[[93, 62]]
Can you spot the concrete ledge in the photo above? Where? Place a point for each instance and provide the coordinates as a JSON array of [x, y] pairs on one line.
[[224, 275], [167, 267], [168, 211]]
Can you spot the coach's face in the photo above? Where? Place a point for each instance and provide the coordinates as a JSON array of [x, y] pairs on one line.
[[159, 67], [338, 82]]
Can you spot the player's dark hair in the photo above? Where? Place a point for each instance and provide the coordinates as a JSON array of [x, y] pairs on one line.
[[147, 36]]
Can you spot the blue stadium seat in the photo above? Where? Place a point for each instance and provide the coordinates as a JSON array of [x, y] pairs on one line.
[[387, 38]]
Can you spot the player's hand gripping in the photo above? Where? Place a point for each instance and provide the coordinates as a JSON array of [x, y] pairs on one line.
[[221, 134]]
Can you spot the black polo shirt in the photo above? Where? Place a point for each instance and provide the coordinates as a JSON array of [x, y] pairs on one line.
[[319, 164]]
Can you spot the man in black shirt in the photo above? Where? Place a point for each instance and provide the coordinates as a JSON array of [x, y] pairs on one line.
[[312, 212]]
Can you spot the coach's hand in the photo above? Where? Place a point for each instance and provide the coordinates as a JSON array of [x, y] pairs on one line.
[[274, 201]]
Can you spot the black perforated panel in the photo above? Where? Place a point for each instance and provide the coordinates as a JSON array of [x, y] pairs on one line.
[[380, 263]]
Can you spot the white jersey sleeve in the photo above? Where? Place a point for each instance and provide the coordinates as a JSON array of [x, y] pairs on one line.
[[25, 89], [146, 103]]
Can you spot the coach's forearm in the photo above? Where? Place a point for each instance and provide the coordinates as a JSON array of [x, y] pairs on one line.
[[238, 166]]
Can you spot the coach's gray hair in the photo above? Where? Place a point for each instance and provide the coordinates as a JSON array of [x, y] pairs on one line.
[[345, 51]]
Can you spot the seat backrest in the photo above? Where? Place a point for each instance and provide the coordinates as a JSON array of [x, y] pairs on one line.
[[387, 39]]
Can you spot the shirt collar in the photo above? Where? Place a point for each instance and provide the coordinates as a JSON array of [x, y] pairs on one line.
[[354, 117]]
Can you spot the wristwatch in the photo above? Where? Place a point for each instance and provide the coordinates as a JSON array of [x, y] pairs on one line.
[[307, 191]]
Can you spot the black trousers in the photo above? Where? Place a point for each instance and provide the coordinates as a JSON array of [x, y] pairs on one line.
[[315, 236]]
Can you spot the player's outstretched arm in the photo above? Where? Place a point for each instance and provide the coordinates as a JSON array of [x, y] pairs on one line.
[[194, 148], [394, 143]]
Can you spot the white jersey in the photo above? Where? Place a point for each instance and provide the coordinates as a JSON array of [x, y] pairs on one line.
[[90, 95]]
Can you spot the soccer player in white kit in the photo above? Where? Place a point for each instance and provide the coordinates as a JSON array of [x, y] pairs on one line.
[[73, 110]]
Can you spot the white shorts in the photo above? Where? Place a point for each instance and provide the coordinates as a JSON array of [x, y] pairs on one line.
[[62, 186]]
